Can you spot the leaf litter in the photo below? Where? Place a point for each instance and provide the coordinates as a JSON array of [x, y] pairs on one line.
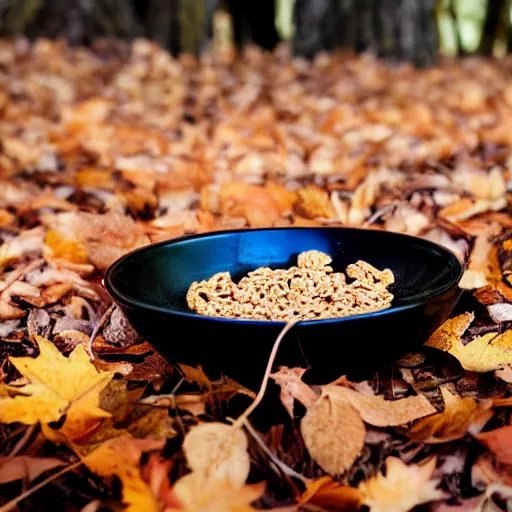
[[92, 418]]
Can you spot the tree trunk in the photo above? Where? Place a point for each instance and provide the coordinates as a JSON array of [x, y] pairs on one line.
[[491, 24], [400, 29]]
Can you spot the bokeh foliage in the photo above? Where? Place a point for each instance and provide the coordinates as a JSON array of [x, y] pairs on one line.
[[418, 30]]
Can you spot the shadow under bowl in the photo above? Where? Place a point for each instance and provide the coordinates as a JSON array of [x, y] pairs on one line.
[[150, 286]]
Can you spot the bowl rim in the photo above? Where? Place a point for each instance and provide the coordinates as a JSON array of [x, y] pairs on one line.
[[129, 302]]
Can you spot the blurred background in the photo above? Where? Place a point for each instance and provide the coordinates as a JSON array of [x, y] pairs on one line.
[[421, 31]]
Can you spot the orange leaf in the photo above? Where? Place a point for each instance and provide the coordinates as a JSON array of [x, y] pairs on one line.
[[314, 202], [120, 457], [499, 441], [252, 202], [332, 496], [459, 415], [63, 248]]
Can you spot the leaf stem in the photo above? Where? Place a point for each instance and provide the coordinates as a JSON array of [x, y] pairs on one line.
[[11, 504], [279, 463], [261, 393]]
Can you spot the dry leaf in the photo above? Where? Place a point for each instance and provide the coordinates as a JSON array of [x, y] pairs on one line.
[[379, 412], [196, 493], [445, 336], [25, 467], [314, 202], [402, 488], [120, 457], [293, 388], [57, 385], [252, 202], [195, 375], [333, 433], [218, 451], [459, 416], [485, 353], [332, 496], [60, 248], [499, 442]]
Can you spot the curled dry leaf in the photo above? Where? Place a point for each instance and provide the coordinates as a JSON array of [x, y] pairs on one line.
[[218, 451], [57, 385], [460, 416], [120, 457], [402, 488], [293, 388], [332, 496], [333, 433]]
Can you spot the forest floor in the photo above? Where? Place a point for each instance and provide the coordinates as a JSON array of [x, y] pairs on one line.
[[107, 149]]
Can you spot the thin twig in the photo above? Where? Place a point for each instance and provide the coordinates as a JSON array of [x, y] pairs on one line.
[[11, 504], [280, 464], [21, 443], [97, 327], [261, 393]]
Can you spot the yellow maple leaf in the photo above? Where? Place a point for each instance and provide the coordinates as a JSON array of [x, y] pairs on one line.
[[403, 487], [120, 457], [460, 415], [485, 353], [57, 385]]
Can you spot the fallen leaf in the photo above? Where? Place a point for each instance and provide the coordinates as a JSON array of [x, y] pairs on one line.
[[57, 386], [491, 351], [196, 493], [333, 433], [330, 495], [486, 470], [402, 488], [60, 248], [25, 467], [120, 457], [379, 412], [314, 202], [252, 202], [218, 451], [459, 416], [445, 336], [499, 442], [195, 375], [293, 388]]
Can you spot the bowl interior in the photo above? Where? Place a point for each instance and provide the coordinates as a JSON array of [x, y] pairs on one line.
[[159, 275]]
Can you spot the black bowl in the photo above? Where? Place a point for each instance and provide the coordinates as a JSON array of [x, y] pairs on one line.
[[150, 285]]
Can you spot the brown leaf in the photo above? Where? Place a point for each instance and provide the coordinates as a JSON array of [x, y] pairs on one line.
[[402, 488], [25, 467], [195, 375], [459, 416], [252, 202], [331, 496], [120, 457], [314, 203], [499, 442], [379, 412], [293, 388], [333, 432]]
